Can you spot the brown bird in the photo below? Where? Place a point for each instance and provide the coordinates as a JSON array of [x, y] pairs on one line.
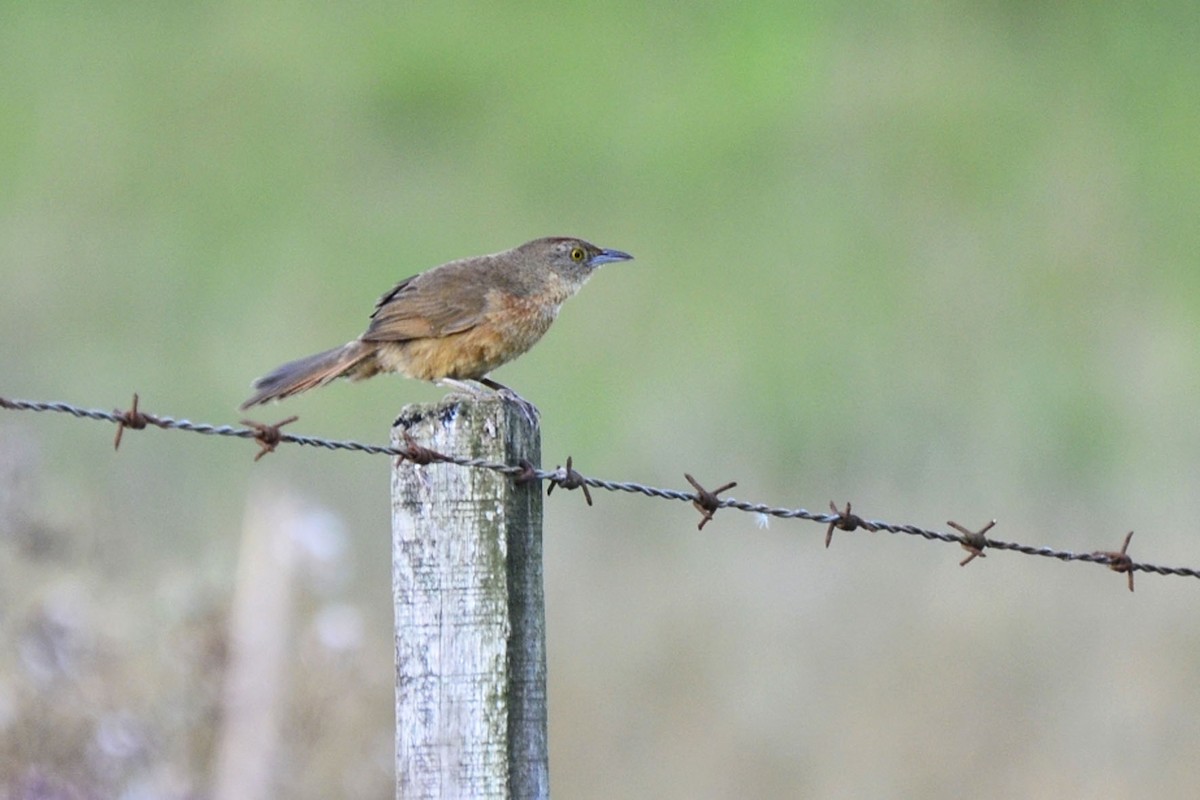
[[456, 322]]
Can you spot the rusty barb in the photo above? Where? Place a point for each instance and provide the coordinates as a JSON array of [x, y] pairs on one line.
[[528, 473], [706, 502], [1119, 560], [419, 454], [845, 521], [132, 419], [972, 541], [568, 478], [268, 436]]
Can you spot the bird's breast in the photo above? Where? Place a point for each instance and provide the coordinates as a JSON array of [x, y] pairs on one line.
[[510, 326]]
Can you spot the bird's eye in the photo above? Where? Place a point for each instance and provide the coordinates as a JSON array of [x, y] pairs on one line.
[[577, 254]]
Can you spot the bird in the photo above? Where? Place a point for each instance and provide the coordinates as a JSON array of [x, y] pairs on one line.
[[454, 323]]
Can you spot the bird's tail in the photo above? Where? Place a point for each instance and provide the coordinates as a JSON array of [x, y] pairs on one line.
[[356, 360]]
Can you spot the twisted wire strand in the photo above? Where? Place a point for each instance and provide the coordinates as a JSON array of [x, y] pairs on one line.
[[136, 419]]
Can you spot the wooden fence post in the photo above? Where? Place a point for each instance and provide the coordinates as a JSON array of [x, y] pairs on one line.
[[470, 616]]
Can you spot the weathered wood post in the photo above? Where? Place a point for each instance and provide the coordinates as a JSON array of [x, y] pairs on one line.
[[470, 618]]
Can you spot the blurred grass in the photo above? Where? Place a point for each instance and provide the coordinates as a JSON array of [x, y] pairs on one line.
[[939, 260]]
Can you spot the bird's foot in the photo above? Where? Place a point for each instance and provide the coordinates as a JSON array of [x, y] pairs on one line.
[[528, 409], [486, 387]]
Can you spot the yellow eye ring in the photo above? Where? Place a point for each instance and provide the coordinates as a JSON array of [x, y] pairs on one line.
[[577, 254]]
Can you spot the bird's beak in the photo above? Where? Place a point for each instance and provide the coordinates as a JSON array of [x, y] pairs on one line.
[[607, 256]]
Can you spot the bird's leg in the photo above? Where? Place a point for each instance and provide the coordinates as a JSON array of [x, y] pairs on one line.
[[470, 388], [527, 408]]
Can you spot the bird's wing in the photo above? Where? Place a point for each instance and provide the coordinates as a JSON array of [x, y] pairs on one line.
[[437, 303]]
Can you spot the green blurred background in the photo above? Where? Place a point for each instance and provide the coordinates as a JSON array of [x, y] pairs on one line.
[[940, 261]]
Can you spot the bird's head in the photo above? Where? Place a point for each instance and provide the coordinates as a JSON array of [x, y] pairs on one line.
[[573, 260]]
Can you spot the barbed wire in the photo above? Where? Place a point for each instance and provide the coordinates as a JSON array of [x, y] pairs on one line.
[[269, 436]]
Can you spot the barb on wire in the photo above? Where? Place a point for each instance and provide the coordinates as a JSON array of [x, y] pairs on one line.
[[418, 454], [706, 502], [973, 541], [844, 521], [269, 436], [528, 473], [1120, 560], [129, 419], [568, 478]]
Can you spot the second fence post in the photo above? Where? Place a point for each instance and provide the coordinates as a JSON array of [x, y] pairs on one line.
[[470, 616]]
